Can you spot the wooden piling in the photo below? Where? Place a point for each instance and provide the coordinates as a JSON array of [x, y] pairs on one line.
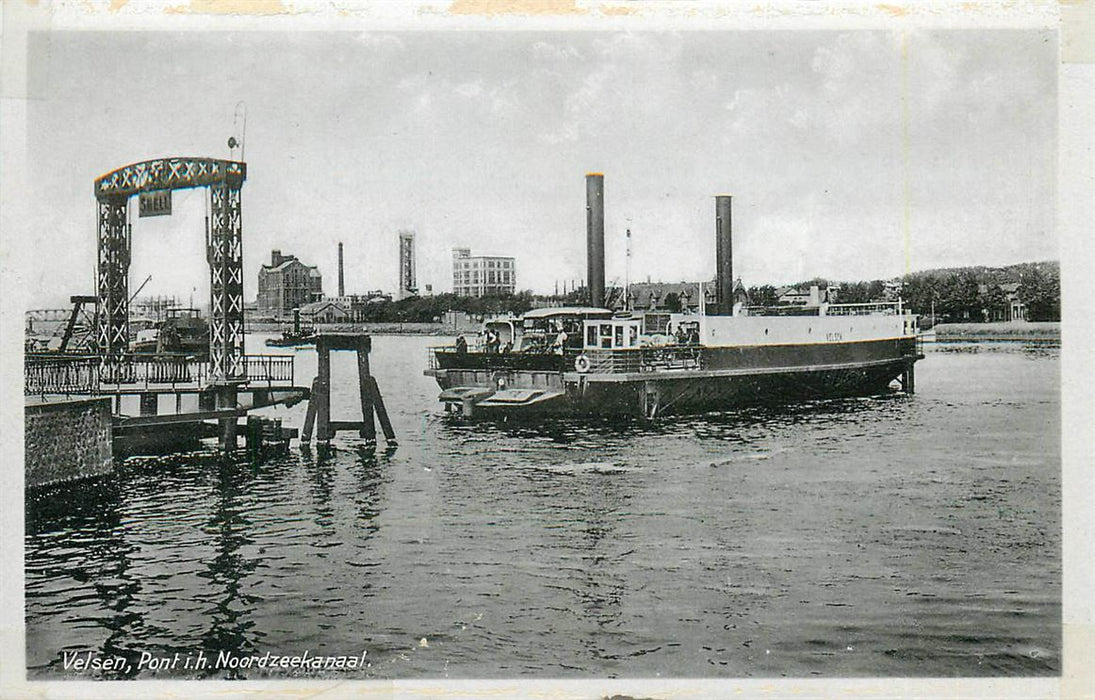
[[150, 404], [323, 412], [368, 428], [254, 436], [310, 417], [381, 411], [319, 404], [226, 399]]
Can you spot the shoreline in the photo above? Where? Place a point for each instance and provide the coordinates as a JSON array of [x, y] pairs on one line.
[[1013, 331], [408, 328]]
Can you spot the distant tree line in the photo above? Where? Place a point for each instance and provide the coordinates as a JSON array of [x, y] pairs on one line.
[[958, 293], [426, 309], [971, 292]]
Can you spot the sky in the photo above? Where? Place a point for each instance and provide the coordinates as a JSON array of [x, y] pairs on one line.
[[850, 155]]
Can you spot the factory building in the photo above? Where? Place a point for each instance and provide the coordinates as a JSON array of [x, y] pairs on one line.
[[286, 284]]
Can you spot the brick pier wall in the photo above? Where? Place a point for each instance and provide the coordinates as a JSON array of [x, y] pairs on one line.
[[67, 439]]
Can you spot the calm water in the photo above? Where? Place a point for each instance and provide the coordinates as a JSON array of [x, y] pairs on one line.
[[891, 536]]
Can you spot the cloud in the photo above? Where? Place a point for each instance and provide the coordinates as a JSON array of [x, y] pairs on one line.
[[546, 51], [497, 100], [704, 80], [380, 42], [469, 90], [411, 83], [504, 101], [626, 86]]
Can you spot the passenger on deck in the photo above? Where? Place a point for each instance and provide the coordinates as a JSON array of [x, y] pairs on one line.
[[461, 345], [492, 342], [507, 348], [560, 342]]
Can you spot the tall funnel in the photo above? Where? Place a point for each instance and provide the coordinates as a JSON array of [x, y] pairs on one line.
[[724, 256], [595, 237], [341, 279]]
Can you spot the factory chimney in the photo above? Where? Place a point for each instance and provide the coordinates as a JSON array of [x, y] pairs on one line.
[[595, 237], [724, 256], [341, 278]]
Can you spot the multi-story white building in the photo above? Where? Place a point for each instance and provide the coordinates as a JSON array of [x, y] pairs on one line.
[[482, 275]]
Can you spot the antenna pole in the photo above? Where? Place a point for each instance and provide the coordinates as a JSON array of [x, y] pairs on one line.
[[239, 125], [627, 274]]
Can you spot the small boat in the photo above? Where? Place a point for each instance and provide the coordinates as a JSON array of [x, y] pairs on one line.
[[290, 339], [294, 336]]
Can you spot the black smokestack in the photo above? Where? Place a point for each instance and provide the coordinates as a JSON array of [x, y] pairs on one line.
[[724, 256], [595, 237], [341, 279]]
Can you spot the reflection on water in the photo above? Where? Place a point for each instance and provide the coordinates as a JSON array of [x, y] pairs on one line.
[[890, 535]]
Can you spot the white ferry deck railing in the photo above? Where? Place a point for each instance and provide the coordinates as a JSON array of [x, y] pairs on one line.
[[643, 359], [864, 309], [608, 361]]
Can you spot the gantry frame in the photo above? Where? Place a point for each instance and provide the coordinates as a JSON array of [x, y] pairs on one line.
[[224, 253]]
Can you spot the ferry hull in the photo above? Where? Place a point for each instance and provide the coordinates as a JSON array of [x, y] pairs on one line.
[[724, 378], [684, 395]]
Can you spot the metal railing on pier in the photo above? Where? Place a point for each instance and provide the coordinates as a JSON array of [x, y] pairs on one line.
[[88, 374], [60, 374], [148, 370], [270, 369]]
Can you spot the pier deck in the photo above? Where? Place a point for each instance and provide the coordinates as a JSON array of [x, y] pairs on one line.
[[138, 386]]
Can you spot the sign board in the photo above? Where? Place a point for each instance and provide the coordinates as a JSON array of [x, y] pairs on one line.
[[156, 203]]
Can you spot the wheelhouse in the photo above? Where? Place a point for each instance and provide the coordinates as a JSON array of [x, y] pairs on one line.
[[612, 333], [556, 329]]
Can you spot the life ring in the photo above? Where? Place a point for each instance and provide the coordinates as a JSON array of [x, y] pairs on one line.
[[582, 364]]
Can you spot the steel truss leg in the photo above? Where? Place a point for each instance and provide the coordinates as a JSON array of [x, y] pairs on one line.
[[225, 255], [112, 332]]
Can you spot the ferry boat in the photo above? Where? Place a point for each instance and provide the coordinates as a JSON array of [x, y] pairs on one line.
[[592, 360], [627, 364]]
